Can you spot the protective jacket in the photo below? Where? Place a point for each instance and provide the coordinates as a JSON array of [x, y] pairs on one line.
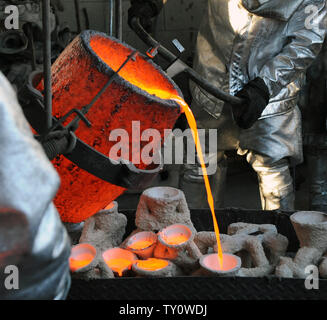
[[276, 40], [238, 41], [32, 237]]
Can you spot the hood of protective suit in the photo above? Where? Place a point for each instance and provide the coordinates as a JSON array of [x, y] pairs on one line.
[[276, 9]]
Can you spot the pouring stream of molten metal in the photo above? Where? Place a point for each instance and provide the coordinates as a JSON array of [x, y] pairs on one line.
[[152, 87], [192, 123]]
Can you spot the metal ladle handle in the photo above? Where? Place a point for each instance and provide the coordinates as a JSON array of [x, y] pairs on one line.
[[135, 24]]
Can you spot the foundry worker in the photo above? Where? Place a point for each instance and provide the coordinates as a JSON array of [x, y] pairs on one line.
[[258, 50], [34, 245]]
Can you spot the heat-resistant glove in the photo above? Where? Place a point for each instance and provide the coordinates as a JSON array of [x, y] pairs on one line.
[[145, 10], [256, 97]]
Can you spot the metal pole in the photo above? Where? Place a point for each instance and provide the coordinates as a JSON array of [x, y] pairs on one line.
[[119, 19], [31, 44], [111, 17], [77, 15], [86, 17], [47, 62]]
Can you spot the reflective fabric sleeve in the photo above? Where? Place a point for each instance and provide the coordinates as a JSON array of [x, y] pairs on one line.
[[14, 237], [306, 32], [32, 236]]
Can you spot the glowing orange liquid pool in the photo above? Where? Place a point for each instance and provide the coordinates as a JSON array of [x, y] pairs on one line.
[[152, 264], [139, 245], [80, 262], [119, 265], [178, 239]]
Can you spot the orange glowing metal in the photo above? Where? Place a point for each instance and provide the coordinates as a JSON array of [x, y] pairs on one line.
[[78, 74], [80, 261], [132, 72], [192, 123], [230, 265], [227, 265], [176, 239], [152, 264], [119, 265], [109, 206], [139, 245]]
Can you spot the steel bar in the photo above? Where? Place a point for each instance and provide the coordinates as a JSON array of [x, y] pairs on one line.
[[47, 61], [86, 18], [111, 17], [119, 19], [77, 15]]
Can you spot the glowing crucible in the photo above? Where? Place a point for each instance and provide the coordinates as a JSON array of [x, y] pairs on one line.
[[210, 263], [142, 244], [179, 237], [81, 257]]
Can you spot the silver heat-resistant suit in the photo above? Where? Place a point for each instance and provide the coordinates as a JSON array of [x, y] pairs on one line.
[[275, 40], [32, 237]]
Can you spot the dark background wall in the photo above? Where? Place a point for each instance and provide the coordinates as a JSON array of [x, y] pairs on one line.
[[179, 19]]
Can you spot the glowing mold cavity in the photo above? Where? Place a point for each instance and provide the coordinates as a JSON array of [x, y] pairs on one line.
[[152, 264], [81, 256], [142, 244], [175, 235], [119, 260], [231, 264]]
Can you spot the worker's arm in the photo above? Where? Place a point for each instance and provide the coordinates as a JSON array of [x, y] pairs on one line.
[[306, 37], [14, 237], [32, 236]]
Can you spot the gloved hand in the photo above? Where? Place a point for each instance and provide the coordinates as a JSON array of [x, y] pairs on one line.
[[256, 96], [145, 10]]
